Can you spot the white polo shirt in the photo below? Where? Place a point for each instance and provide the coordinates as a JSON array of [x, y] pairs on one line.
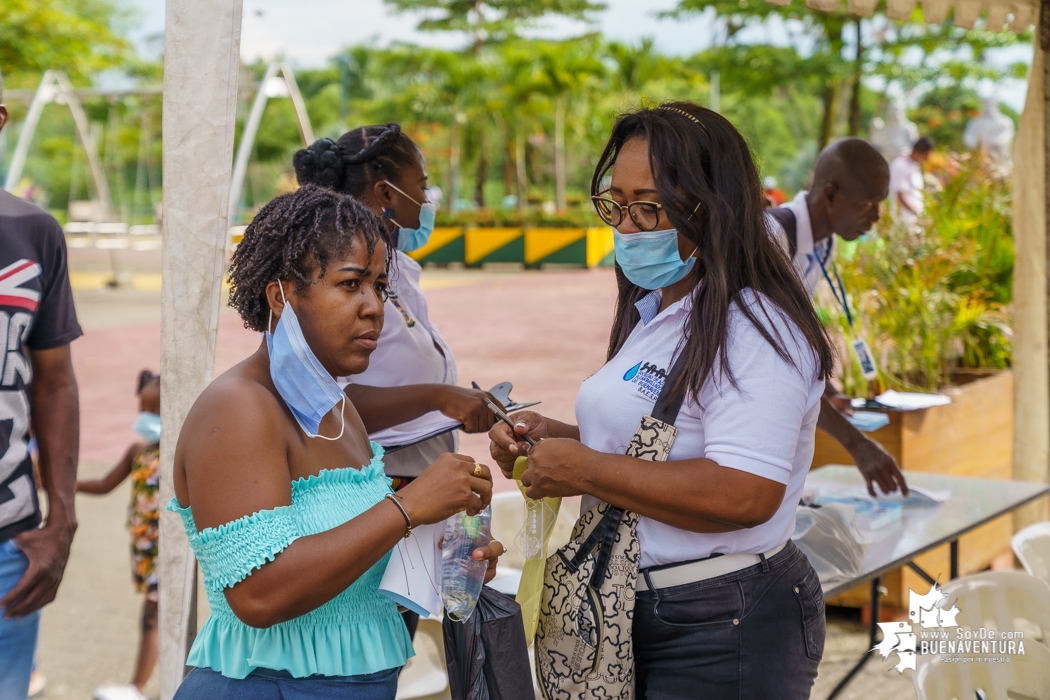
[[808, 255], [763, 426], [410, 351]]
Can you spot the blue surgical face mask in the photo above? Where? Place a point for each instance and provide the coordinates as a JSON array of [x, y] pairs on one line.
[[409, 239], [307, 388], [148, 426], [650, 259]]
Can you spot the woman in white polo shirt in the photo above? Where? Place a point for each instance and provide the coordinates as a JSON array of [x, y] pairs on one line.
[[412, 371], [726, 606]]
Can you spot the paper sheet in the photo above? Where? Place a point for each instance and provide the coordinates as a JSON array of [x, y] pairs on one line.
[[413, 573], [909, 401], [423, 428]]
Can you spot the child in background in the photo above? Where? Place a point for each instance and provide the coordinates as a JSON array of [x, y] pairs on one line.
[[142, 463]]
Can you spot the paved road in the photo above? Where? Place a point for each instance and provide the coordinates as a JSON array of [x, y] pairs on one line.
[[544, 331]]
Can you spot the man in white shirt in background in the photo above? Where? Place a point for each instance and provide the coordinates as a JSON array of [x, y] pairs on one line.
[[850, 180], [907, 184]]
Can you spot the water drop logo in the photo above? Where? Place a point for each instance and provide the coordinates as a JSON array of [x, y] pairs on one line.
[[630, 374]]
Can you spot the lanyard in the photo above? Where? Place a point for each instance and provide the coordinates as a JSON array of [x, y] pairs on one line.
[[840, 291]]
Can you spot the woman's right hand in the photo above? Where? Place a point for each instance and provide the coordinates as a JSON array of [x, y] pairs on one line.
[[507, 445], [446, 487]]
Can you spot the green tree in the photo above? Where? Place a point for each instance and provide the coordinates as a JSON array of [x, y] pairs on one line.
[[821, 47], [489, 21], [571, 70], [80, 37]]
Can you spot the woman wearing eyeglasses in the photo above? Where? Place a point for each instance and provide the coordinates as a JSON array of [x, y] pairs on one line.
[[726, 606]]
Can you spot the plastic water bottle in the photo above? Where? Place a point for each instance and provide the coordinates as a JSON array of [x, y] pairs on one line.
[[461, 575]]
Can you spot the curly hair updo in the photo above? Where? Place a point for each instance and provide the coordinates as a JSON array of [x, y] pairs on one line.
[[358, 160], [291, 237]]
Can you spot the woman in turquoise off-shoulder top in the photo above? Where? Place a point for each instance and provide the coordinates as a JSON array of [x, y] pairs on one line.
[[283, 498]]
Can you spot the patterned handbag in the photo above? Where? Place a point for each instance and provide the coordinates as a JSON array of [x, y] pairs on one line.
[[583, 640]]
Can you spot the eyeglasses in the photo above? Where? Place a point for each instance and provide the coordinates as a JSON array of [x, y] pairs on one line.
[[645, 215]]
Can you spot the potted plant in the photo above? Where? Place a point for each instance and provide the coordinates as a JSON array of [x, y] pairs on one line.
[[933, 303]]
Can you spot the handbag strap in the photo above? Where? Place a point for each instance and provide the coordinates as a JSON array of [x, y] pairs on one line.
[[603, 535], [603, 532], [666, 408]]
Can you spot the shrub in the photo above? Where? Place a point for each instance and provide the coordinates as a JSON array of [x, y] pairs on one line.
[[935, 299]]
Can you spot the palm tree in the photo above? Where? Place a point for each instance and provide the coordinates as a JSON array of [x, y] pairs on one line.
[[570, 70], [521, 88]]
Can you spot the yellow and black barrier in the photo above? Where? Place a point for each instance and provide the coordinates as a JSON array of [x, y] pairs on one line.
[[533, 247]]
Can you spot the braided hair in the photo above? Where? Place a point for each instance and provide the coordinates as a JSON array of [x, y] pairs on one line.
[[292, 236], [358, 160]]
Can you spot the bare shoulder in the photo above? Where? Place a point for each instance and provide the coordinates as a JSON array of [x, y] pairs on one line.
[[231, 459], [236, 388]]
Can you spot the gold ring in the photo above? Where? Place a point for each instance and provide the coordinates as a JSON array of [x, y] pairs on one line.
[[477, 470]]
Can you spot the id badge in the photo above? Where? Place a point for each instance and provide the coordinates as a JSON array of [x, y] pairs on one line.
[[652, 441], [865, 359]]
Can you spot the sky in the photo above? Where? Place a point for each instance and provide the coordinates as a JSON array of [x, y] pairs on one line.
[[309, 32]]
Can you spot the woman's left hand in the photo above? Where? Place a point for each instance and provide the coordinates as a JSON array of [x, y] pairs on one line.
[[490, 552], [556, 468]]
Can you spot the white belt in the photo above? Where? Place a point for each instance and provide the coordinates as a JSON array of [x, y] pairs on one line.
[[702, 570]]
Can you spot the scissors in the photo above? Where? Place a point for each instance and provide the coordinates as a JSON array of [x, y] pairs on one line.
[[501, 415]]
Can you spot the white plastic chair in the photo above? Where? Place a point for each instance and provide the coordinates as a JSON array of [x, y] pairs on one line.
[[1032, 547], [425, 675], [1024, 677], [1001, 600]]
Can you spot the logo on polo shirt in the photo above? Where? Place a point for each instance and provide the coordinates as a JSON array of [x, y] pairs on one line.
[[648, 378]]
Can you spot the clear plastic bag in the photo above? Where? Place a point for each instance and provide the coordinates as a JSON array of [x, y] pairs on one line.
[[534, 546], [831, 539], [539, 521]]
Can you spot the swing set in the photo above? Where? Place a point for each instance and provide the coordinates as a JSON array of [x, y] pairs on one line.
[[99, 223]]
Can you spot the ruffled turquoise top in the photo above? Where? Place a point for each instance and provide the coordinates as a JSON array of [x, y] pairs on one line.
[[359, 631]]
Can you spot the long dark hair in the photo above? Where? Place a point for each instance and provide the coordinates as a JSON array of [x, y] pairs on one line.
[[358, 160], [696, 155]]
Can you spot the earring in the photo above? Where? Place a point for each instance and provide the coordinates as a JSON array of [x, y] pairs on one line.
[[388, 213]]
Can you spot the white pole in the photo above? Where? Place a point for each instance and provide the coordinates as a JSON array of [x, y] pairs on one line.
[[244, 148], [44, 95], [201, 63]]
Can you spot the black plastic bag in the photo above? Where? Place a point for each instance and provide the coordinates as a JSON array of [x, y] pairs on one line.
[[487, 657]]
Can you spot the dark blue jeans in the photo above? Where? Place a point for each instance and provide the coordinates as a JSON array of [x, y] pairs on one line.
[[753, 634], [206, 684]]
